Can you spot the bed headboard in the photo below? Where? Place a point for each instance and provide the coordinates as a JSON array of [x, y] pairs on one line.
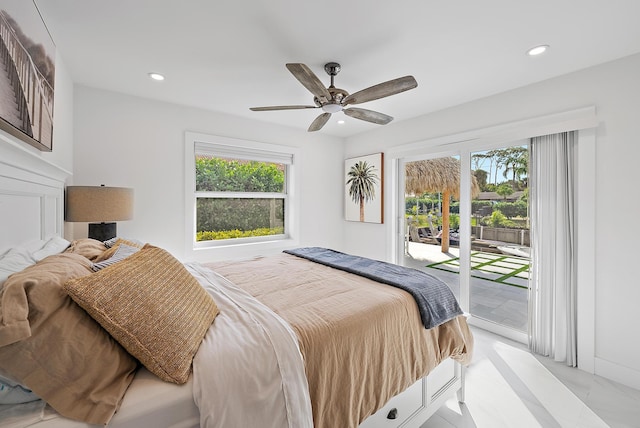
[[31, 195]]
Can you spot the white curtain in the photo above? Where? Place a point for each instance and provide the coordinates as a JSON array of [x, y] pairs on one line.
[[552, 291]]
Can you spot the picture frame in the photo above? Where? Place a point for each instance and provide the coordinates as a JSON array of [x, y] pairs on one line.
[[27, 77], [364, 188]]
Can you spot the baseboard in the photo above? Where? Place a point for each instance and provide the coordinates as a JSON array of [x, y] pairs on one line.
[[617, 373]]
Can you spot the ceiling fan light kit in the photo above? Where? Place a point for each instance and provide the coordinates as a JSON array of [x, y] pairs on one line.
[[332, 107], [333, 100]]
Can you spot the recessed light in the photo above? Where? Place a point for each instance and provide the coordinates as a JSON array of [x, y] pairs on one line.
[[537, 50], [156, 76], [341, 122]]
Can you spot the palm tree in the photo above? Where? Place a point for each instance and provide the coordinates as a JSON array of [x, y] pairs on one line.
[[515, 160], [497, 156], [479, 159], [362, 181]]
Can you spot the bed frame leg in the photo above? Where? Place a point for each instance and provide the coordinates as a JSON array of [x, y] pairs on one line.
[[460, 392]]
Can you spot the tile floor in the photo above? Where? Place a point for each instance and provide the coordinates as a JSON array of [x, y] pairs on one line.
[[506, 386]]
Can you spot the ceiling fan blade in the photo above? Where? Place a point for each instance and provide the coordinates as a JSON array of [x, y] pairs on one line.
[[381, 90], [269, 108], [319, 122], [368, 115], [310, 81]]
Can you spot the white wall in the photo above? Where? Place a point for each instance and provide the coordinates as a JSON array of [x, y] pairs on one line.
[[62, 153], [614, 88], [128, 141]]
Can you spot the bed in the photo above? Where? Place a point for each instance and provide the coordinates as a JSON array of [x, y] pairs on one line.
[[329, 349]]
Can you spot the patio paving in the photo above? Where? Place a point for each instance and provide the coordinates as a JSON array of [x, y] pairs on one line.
[[498, 290], [508, 270]]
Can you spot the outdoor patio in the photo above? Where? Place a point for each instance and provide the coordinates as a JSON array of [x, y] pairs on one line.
[[498, 282]]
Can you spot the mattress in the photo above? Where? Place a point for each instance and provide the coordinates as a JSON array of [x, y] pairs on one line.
[[149, 402]]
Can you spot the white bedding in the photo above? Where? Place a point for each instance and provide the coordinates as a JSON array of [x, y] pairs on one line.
[[249, 370]]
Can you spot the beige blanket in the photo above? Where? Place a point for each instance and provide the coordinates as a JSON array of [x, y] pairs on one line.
[[53, 347], [362, 341]]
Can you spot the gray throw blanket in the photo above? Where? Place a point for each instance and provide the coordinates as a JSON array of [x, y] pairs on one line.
[[436, 302]]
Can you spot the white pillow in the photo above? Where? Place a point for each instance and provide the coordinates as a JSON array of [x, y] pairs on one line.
[[14, 260], [53, 246], [32, 246]]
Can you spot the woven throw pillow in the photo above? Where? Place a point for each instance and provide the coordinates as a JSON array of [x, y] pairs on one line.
[[153, 306]]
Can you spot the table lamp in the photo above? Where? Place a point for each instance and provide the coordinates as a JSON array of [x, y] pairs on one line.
[[100, 205]]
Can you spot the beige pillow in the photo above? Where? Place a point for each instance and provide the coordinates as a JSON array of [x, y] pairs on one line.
[[53, 347], [153, 306]]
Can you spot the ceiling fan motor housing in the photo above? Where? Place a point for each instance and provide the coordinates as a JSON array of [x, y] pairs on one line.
[[334, 105]]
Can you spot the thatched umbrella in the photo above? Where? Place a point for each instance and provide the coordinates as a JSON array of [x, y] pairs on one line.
[[438, 175]]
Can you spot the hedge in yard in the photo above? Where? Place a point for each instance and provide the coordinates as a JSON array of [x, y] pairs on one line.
[[512, 209], [224, 175], [231, 234], [228, 218]]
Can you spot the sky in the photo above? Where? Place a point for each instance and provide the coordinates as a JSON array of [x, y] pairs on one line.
[[496, 177]]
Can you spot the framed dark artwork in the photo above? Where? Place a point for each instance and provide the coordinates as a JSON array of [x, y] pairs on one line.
[[27, 75], [363, 192]]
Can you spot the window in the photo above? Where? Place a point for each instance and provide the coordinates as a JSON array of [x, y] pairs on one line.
[[240, 191]]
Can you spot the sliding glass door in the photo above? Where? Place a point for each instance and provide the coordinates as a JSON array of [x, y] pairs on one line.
[[466, 221], [500, 253]]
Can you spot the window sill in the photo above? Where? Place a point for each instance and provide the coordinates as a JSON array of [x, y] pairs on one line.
[[240, 250]]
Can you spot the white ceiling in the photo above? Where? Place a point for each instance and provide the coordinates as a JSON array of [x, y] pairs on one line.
[[227, 56]]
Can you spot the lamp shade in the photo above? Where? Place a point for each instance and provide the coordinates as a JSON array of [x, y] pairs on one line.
[[98, 203]]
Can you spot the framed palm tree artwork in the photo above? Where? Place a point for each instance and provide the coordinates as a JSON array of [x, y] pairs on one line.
[[363, 193]]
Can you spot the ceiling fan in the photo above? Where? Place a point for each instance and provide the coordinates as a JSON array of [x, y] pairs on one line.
[[333, 100]]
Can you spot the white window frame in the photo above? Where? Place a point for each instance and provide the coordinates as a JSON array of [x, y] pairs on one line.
[[197, 143]]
